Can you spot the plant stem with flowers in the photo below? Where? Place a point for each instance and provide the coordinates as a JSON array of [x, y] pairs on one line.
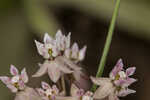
[[62, 65], [108, 43]]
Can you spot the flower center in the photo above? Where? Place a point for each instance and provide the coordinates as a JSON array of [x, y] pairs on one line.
[[15, 79], [50, 93], [50, 52], [122, 74]]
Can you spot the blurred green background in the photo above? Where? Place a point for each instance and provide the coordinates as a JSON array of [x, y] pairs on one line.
[[22, 21]]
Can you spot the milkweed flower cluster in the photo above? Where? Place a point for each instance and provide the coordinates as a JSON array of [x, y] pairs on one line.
[[62, 66]]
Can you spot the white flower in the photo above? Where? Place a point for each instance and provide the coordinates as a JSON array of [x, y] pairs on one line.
[[17, 82], [47, 92], [75, 54], [53, 47], [117, 85]]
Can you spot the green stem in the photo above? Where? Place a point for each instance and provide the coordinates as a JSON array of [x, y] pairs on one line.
[[63, 84], [108, 42]]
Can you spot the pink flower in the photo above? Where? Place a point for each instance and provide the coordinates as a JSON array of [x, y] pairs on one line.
[[53, 47], [75, 54], [116, 85], [17, 81], [47, 92]]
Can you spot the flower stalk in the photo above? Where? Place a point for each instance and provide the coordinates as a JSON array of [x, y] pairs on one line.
[[63, 84], [108, 42]]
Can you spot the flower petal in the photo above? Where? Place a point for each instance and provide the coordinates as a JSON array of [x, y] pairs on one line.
[[67, 53], [75, 50], [100, 81], [120, 82], [118, 67], [6, 80], [47, 38], [43, 69], [62, 66], [41, 49], [68, 40], [12, 88], [104, 91], [82, 53], [13, 70], [82, 80], [45, 85], [129, 81], [24, 75], [112, 96], [21, 85], [125, 92], [130, 71], [54, 72], [69, 63]]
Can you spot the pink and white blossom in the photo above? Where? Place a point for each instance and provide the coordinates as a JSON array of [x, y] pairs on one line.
[[47, 92], [75, 54], [17, 81], [53, 47], [116, 85]]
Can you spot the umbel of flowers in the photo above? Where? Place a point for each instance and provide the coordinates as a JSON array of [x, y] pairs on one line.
[[62, 66]]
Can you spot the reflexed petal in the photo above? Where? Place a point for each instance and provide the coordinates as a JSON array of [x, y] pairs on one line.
[[6, 80], [100, 81], [21, 85], [75, 50], [47, 38], [82, 53], [13, 70], [112, 96], [74, 90], [45, 85], [43, 69], [125, 92], [69, 63], [130, 71], [12, 88], [24, 75], [103, 91], [54, 72], [82, 80], [62, 67], [118, 67]]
